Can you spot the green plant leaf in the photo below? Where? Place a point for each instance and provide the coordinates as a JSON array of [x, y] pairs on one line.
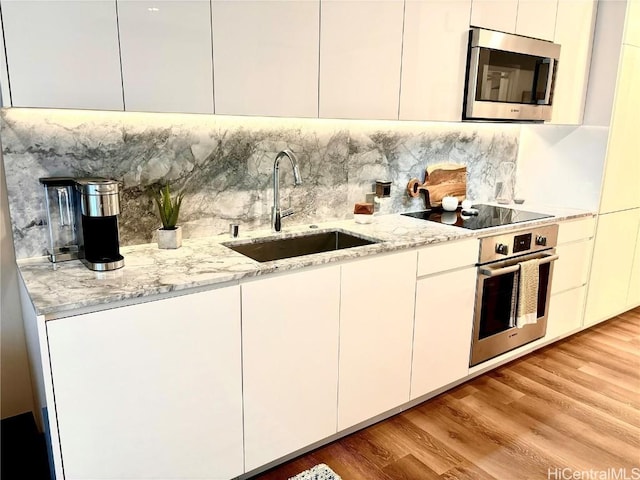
[[168, 209]]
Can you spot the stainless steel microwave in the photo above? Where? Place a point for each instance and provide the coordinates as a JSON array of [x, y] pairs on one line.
[[509, 77]]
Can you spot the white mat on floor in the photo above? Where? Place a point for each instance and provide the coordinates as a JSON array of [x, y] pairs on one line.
[[319, 472]]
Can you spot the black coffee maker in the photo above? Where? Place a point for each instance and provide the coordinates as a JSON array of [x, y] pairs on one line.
[[82, 219]]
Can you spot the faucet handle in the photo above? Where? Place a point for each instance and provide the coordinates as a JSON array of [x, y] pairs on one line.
[[286, 212]]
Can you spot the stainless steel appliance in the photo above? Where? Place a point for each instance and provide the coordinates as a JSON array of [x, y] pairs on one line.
[[494, 325], [82, 220], [509, 77], [484, 216]]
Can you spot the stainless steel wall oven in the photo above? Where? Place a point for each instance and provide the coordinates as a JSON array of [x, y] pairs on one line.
[[495, 329]]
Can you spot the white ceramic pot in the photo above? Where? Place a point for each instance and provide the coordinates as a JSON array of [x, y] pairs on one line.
[[170, 238], [362, 218], [449, 203]]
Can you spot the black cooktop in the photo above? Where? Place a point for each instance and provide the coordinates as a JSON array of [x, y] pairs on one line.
[[488, 216]]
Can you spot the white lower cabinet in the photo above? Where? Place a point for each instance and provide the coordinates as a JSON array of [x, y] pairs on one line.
[[612, 266], [633, 299], [565, 312], [290, 362], [572, 267], [570, 276], [151, 390], [376, 330], [442, 335]]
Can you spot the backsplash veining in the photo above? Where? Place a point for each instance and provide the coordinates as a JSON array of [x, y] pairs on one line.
[[224, 165]]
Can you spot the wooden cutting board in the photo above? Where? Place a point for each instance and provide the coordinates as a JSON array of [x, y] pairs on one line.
[[441, 180]]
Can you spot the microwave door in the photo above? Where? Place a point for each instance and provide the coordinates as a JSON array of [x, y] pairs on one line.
[[502, 85], [547, 65], [509, 77]]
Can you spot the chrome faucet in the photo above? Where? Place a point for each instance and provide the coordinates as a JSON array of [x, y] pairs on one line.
[[277, 214]]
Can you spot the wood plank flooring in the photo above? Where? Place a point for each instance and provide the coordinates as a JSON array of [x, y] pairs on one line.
[[572, 405]]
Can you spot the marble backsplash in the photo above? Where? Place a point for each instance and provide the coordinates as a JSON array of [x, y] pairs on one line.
[[224, 165]]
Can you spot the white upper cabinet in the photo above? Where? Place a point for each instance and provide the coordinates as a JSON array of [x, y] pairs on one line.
[[266, 57], [434, 53], [5, 93], [621, 184], [360, 54], [63, 54], [574, 32], [166, 55], [605, 55], [537, 18], [531, 18], [495, 14], [632, 29]]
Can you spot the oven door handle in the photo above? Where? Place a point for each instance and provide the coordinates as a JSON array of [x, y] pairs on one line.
[[494, 272]]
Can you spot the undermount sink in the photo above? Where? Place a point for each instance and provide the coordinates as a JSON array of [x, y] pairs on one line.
[[270, 249]]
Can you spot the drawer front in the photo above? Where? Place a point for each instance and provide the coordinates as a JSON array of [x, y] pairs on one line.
[[572, 266], [565, 312], [448, 256], [576, 230]]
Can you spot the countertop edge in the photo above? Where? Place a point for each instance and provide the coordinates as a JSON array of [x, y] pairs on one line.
[[138, 281]]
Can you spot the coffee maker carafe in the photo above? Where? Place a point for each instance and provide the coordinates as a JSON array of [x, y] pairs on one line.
[[82, 215]]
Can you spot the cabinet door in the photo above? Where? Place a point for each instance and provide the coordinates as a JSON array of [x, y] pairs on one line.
[[495, 14], [434, 54], [572, 268], [632, 28], [166, 55], [376, 330], [443, 324], [63, 54], [575, 24], [151, 390], [290, 362], [621, 185], [613, 253], [565, 312], [266, 57], [633, 299], [360, 54], [537, 18], [574, 230]]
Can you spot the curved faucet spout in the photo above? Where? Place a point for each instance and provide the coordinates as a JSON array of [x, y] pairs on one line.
[[276, 212], [297, 179]]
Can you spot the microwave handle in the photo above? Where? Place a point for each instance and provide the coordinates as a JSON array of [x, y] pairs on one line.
[[491, 272], [547, 94]]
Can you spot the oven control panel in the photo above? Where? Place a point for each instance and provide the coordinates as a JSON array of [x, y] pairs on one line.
[[520, 242]]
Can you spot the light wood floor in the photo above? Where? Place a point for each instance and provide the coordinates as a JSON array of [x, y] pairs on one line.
[[572, 405]]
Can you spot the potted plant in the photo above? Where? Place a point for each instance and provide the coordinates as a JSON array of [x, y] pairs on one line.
[[170, 234]]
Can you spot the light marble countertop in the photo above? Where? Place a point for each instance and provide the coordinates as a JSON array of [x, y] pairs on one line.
[[66, 288]]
